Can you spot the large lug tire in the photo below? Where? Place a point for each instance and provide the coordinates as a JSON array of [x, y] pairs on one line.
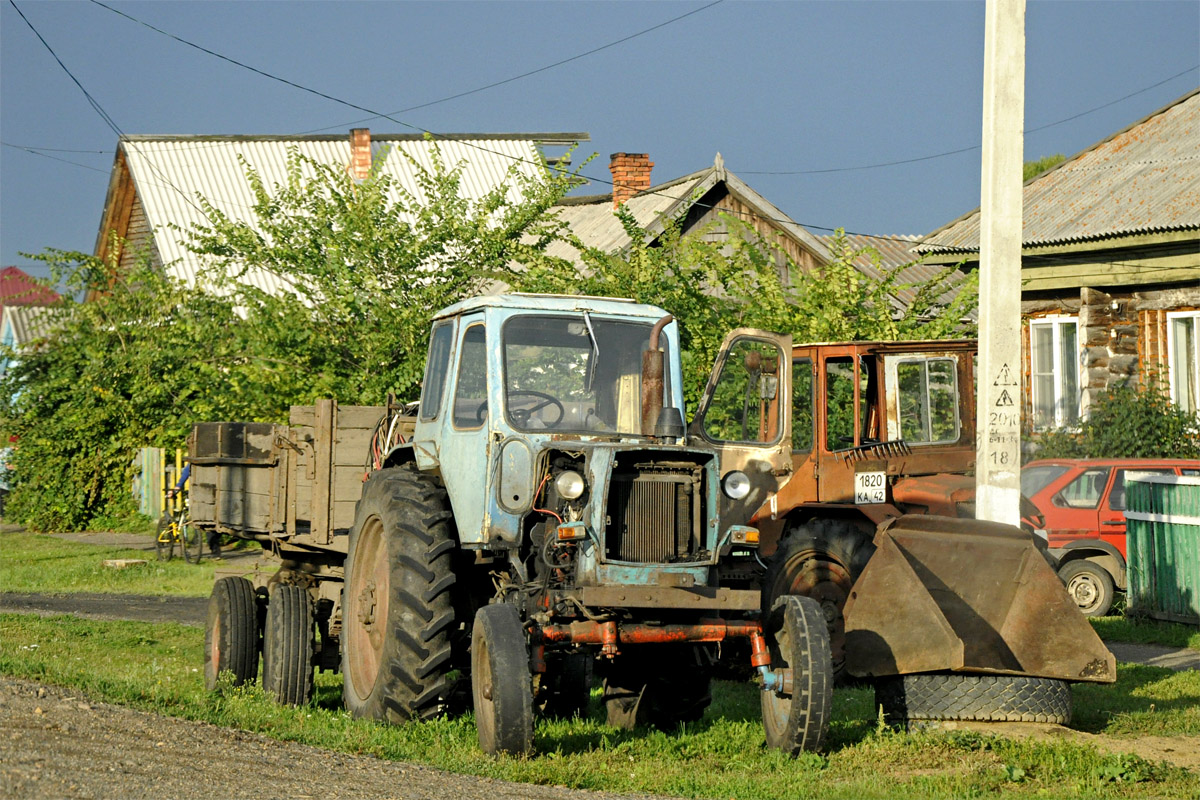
[[397, 610], [987, 698], [164, 539], [288, 646], [565, 689], [798, 640], [1089, 585], [501, 684], [191, 541], [820, 559], [231, 637], [663, 686]]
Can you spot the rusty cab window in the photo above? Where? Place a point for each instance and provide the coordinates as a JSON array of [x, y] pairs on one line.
[[745, 400], [470, 386], [440, 342], [840, 376], [928, 400], [802, 404], [1084, 491]]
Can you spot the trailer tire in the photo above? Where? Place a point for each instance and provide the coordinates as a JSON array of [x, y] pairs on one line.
[[986, 698], [798, 639], [288, 646], [820, 559], [1089, 585], [397, 610], [501, 684], [231, 640]]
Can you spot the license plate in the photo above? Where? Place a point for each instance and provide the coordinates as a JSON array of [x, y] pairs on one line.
[[870, 487]]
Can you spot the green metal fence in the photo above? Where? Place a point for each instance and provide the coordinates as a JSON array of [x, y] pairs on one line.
[[1163, 547]]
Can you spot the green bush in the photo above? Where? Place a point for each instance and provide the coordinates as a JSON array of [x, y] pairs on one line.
[[1128, 422]]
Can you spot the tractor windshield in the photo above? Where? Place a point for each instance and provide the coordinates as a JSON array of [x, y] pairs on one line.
[[579, 373]]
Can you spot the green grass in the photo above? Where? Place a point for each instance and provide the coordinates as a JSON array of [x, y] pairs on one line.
[[1148, 631], [33, 562], [157, 667]]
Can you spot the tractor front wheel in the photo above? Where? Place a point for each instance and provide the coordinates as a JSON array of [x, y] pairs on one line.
[[796, 715], [501, 683]]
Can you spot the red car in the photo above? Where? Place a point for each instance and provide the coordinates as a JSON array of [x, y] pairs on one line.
[[1083, 501]]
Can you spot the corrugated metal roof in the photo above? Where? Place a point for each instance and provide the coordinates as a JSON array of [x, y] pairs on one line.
[[169, 172], [1144, 179], [19, 288]]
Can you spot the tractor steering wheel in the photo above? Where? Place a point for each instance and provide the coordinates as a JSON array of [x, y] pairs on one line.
[[521, 415]]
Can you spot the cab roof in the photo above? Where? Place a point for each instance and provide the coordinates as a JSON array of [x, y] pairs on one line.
[[554, 302]]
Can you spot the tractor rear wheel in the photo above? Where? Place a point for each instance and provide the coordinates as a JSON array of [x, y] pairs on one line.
[[659, 685], [566, 687], [501, 683], [397, 610], [820, 559], [796, 717], [288, 646], [987, 698], [231, 635]]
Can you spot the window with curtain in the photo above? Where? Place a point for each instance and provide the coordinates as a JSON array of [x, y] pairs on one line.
[[1183, 345], [1054, 371]]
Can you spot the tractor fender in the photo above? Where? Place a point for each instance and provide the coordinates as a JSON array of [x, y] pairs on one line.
[[875, 513], [399, 455], [1099, 552]]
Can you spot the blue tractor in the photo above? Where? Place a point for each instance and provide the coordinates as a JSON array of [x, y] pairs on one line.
[[550, 517]]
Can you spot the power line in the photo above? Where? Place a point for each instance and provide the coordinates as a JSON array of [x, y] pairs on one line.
[[523, 75], [33, 149], [45, 153], [973, 147]]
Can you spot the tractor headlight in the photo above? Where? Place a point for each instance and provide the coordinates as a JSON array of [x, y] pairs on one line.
[[735, 485], [569, 484]]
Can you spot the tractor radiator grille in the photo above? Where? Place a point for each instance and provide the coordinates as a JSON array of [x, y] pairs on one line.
[[654, 516]]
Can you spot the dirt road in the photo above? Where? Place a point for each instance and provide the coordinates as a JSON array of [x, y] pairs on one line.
[[54, 743]]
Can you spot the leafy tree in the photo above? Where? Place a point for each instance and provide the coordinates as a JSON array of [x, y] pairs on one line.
[[133, 368], [746, 281], [1128, 421], [1034, 168], [364, 265]]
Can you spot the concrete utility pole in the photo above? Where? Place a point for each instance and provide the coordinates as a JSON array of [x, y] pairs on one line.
[[998, 447]]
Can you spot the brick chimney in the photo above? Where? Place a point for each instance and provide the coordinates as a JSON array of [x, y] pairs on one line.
[[360, 153], [630, 175]]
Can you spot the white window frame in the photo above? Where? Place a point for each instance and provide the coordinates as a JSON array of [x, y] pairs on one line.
[[1057, 370], [1177, 380]]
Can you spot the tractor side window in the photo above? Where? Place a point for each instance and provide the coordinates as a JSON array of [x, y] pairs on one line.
[[928, 399], [436, 367], [1084, 491], [802, 404], [470, 387], [745, 401], [840, 375]]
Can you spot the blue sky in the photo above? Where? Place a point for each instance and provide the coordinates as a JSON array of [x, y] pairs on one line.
[[776, 87]]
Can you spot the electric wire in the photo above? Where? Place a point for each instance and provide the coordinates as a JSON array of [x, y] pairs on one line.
[[391, 117]]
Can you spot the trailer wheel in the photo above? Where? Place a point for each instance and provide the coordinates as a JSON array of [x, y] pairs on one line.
[[397, 614], [986, 698], [288, 646], [566, 686], [501, 684], [164, 539], [820, 559], [1089, 585], [798, 640], [231, 636], [191, 541]]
